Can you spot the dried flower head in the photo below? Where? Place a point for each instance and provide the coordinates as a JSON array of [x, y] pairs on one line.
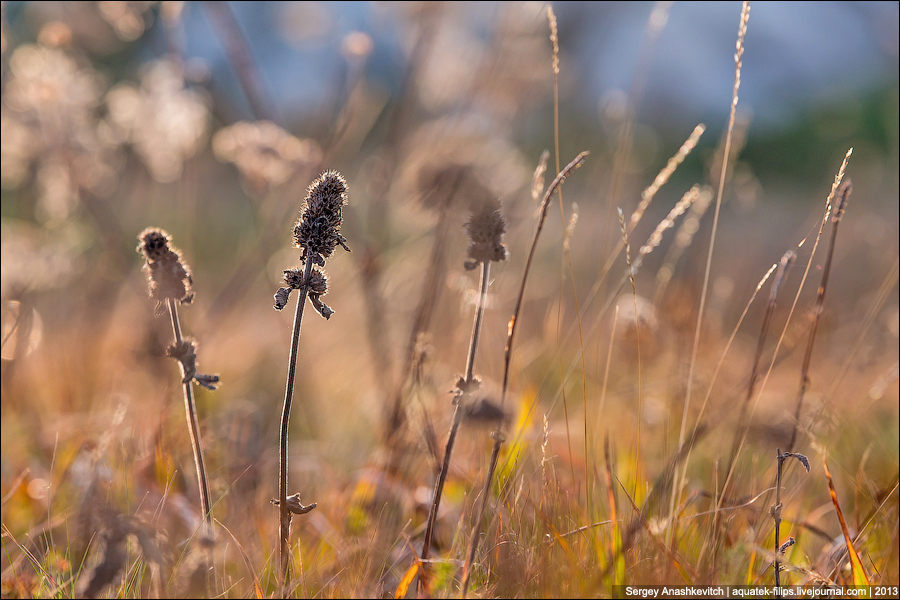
[[484, 410], [168, 276], [318, 286], [442, 186], [185, 352], [485, 227], [265, 154], [317, 232]]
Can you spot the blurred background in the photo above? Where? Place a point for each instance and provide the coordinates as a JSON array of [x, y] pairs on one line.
[[210, 119]]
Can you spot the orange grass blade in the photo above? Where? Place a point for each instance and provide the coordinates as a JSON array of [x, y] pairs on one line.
[[407, 580], [856, 566]]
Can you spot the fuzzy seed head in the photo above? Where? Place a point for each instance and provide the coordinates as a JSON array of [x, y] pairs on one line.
[[486, 227], [317, 232], [168, 276]]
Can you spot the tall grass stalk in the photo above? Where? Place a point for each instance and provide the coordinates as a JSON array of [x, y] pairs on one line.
[[739, 52], [781, 273], [843, 194]]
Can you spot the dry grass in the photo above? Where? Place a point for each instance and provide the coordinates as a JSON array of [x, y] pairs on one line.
[[613, 435]]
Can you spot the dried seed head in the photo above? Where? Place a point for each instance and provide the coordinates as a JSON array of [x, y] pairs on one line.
[[317, 232], [185, 352], [486, 227], [484, 410], [441, 187], [168, 276], [318, 281], [318, 286]]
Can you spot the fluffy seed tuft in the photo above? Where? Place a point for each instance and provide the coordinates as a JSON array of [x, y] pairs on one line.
[[168, 276], [485, 227]]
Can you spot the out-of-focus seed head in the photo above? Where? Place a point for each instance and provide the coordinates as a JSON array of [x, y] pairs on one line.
[[486, 227], [185, 352], [485, 410], [317, 232], [168, 276], [442, 186]]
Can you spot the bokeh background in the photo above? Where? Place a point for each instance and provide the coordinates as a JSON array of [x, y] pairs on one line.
[[209, 120]]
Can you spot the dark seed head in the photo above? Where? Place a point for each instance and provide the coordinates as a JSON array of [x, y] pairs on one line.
[[317, 232], [318, 281]]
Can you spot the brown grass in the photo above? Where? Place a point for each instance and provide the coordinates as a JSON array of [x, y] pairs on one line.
[[661, 474]]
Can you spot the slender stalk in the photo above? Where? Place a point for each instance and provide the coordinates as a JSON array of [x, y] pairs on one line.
[[545, 204], [776, 516], [454, 426], [775, 512], [784, 266], [844, 192], [285, 515], [479, 316], [499, 438], [193, 425], [742, 30]]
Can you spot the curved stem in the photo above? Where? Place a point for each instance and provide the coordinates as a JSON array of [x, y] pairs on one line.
[[284, 514]]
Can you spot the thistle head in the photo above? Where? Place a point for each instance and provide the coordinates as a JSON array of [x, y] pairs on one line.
[[168, 276], [317, 232], [485, 227]]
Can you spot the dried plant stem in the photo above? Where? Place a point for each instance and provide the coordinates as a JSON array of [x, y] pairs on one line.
[[844, 193], [637, 331], [193, 425], [499, 438], [454, 425], [545, 204], [236, 47], [479, 317], [781, 272], [284, 513], [775, 512], [554, 40], [775, 353], [742, 31]]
